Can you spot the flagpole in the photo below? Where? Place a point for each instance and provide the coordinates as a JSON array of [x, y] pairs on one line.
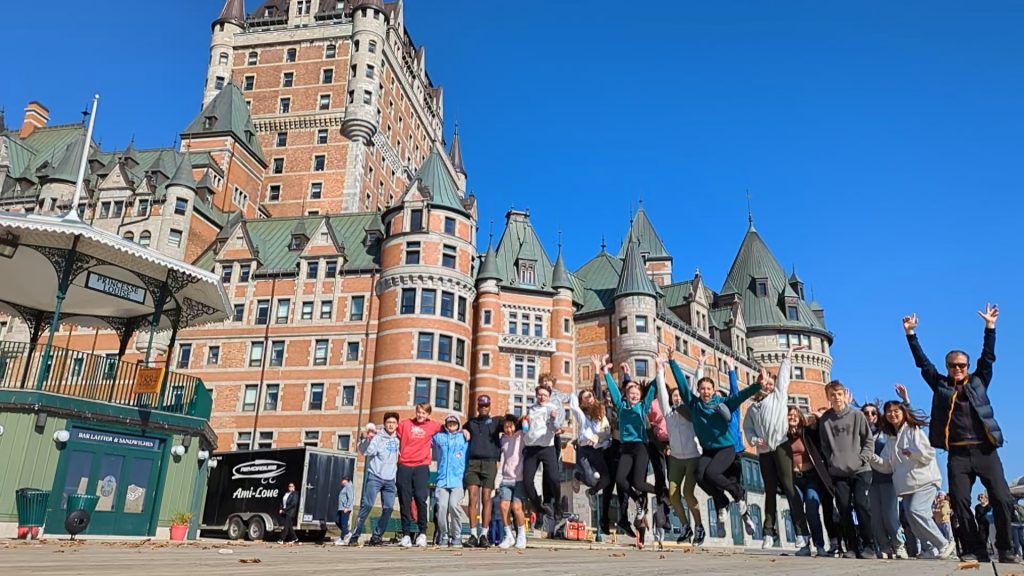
[[80, 182]]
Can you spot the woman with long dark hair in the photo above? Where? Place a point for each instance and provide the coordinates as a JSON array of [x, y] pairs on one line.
[[810, 474], [593, 435]]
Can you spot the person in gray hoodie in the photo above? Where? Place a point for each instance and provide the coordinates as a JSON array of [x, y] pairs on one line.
[[848, 448], [767, 430], [381, 451]]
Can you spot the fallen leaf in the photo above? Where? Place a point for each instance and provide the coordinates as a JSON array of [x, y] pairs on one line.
[[661, 556], [617, 555], [225, 551], [969, 565], [250, 560]]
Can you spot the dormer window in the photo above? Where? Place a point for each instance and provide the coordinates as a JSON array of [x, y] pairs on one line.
[[792, 313], [762, 286], [208, 122], [527, 272], [296, 243], [415, 220]]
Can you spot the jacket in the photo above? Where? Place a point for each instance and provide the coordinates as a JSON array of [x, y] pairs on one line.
[[910, 459], [483, 438], [346, 496], [766, 419], [451, 450], [544, 421], [632, 419], [682, 440], [812, 443], [290, 504], [944, 392], [589, 432], [381, 453], [846, 442], [712, 430]]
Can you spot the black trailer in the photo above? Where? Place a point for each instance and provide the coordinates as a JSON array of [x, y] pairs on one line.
[[245, 490]]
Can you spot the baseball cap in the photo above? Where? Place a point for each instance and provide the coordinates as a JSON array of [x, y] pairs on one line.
[[483, 400]]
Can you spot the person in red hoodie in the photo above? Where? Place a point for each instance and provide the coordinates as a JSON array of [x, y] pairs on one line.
[[413, 479]]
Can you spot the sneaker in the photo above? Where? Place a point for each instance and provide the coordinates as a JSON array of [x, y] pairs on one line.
[[625, 528], [421, 541], [984, 558], [375, 541], [406, 541], [802, 541], [968, 557], [767, 542], [353, 541], [804, 551], [470, 542], [868, 555], [901, 552], [521, 539], [1008, 557], [850, 555], [698, 535], [948, 550], [748, 521], [340, 541], [507, 542], [931, 554], [722, 519], [482, 542], [685, 535], [820, 551]]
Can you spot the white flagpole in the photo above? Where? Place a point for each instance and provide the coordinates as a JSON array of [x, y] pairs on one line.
[[80, 183]]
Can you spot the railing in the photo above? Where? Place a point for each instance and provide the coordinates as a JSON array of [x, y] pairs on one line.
[[104, 378], [529, 343]]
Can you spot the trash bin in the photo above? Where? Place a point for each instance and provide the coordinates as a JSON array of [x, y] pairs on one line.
[[86, 502], [31, 503]]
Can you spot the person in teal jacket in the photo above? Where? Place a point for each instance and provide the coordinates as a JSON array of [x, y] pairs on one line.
[[717, 439], [450, 449], [631, 407]]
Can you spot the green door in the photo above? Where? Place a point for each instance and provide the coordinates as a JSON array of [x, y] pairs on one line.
[[124, 478]]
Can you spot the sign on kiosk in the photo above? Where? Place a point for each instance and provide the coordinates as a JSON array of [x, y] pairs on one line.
[[147, 380]]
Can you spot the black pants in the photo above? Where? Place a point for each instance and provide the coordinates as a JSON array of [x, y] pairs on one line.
[[714, 476], [828, 514], [656, 455], [631, 475], [965, 465], [288, 524], [591, 468], [611, 461], [777, 471], [413, 488], [852, 494], [533, 457]]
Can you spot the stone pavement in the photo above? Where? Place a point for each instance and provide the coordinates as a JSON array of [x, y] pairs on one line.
[[210, 557]]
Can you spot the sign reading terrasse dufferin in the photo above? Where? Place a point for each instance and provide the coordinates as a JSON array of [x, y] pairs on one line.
[[116, 288]]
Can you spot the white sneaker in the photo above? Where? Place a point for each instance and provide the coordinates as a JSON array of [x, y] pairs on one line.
[[901, 552], [421, 540], [723, 519], [767, 542], [406, 541], [521, 538], [801, 541], [948, 550], [340, 541], [509, 540], [748, 522]]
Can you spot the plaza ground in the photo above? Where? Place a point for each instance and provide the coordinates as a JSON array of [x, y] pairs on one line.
[[207, 557]]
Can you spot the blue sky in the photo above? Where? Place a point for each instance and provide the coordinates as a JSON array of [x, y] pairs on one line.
[[880, 141]]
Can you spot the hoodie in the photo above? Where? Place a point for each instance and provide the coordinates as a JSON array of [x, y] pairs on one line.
[[416, 441], [846, 442], [381, 453], [910, 458], [632, 419], [713, 431], [767, 419], [451, 450], [544, 420], [512, 458], [682, 440]]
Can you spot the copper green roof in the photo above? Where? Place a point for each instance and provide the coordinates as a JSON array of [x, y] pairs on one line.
[[519, 242], [600, 278], [227, 114], [560, 276], [753, 261], [64, 167], [642, 230], [489, 266], [634, 279], [183, 176], [434, 177]]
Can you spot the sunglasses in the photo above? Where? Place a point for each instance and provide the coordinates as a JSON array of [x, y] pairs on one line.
[[960, 365]]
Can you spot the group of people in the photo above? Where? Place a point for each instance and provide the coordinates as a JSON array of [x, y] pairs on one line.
[[867, 478]]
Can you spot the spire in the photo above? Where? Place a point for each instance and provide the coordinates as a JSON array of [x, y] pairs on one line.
[[489, 267], [183, 175], [455, 154], [793, 278], [750, 213], [642, 231], [232, 13], [130, 155], [634, 279], [560, 276]]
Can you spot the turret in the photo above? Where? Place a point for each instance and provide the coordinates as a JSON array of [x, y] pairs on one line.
[[455, 155], [636, 311], [369, 33], [222, 39]]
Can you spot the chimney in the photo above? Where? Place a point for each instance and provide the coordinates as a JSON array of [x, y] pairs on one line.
[[36, 116]]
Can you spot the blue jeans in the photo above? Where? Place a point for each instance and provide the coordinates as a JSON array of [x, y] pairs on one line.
[[885, 516], [809, 489], [387, 490], [343, 518], [1017, 532]]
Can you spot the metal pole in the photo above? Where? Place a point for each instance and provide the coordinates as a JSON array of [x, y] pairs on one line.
[[157, 311], [263, 362], [62, 290], [72, 214]]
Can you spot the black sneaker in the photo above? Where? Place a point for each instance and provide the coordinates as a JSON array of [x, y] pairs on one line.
[[625, 528], [470, 542], [686, 534], [851, 555], [984, 558], [481, 542], [968, 558], [698, 535], [1008, 557], [375, 541]]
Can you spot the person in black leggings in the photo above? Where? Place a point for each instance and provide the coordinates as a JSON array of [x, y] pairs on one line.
[[540, 427]]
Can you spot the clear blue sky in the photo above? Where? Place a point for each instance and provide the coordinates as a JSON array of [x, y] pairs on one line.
[[880, 141]]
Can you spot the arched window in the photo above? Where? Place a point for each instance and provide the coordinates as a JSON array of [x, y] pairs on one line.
[[129, 236], [254, 58], [144, 238], [331, 51], [223, 58]]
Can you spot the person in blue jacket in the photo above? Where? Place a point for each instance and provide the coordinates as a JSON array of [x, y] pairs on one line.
[[717, 439], [450, 450]]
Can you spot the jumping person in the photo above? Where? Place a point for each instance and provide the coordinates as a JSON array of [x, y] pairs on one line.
[[716, 440], [684, 453], [611, 453], [345, 498], [848, 447], [381, 450], [766, 426], [592, 437], [415, 436], [511, 489], [450, 446], [963, 422], [482, 469], [810, 475], [541, 423], [885, 503]]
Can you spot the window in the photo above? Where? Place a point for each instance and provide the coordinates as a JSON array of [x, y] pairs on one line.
[[222, 59], [444, 348], [142, 208], [243, 441], [320, 353], [352, 352], [485, 360], [129, 236], [255, 354], [266, 441], [791, 313], [449, 225], [428, 301], [325, 102], [271, 397], [331, 270], [312, 269], [249, 398], [762, 287], [284, 106], [421, 393], [249, 83], [244, 272], [460, 352], [408, 305], [641, 324], [367, 97], [373, 47], [287, 79], [180, 206], [213, 355], [218, 83], [488, 318], [302, 7], [783, 340], [370, 71], [290, 55], [239, 313], [623, 325], [447, 304], [355, 308], [441, 394], [117, 209], [527, 272], [184, 355], [253, 59], [344, 442], [316, 396], [348, 395], [806, 340], [282, 139], [566, 367], [449, 256], [326, 309], [174, 238], [311, 438], [278, 168], [415, 220], [425, 346], [566, 326], [798, 373], [277, 353], [538, 326], [513, 323], [642, 370], [462, 309], [306, 311], [412, 252], [330, 51], [327, 76], [274, 192], [104, 209], [283, 311], [321, 137], [319, 162], [226, 272], [525, 367]]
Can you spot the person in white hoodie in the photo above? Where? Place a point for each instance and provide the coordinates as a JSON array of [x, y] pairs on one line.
[[541, 424], [767, 430], [910, 458], [684, 452]]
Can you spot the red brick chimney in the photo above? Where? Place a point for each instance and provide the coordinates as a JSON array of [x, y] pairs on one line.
[[36, 116]]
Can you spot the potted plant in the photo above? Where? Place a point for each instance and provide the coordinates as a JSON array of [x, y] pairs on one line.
[[179, 525]]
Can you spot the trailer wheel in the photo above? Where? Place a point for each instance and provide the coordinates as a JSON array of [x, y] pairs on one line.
[[257, 529], [236, 528]]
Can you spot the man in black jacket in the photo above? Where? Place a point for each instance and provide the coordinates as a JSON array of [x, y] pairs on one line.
[[289, 511], [963, 422], [481, 470]]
